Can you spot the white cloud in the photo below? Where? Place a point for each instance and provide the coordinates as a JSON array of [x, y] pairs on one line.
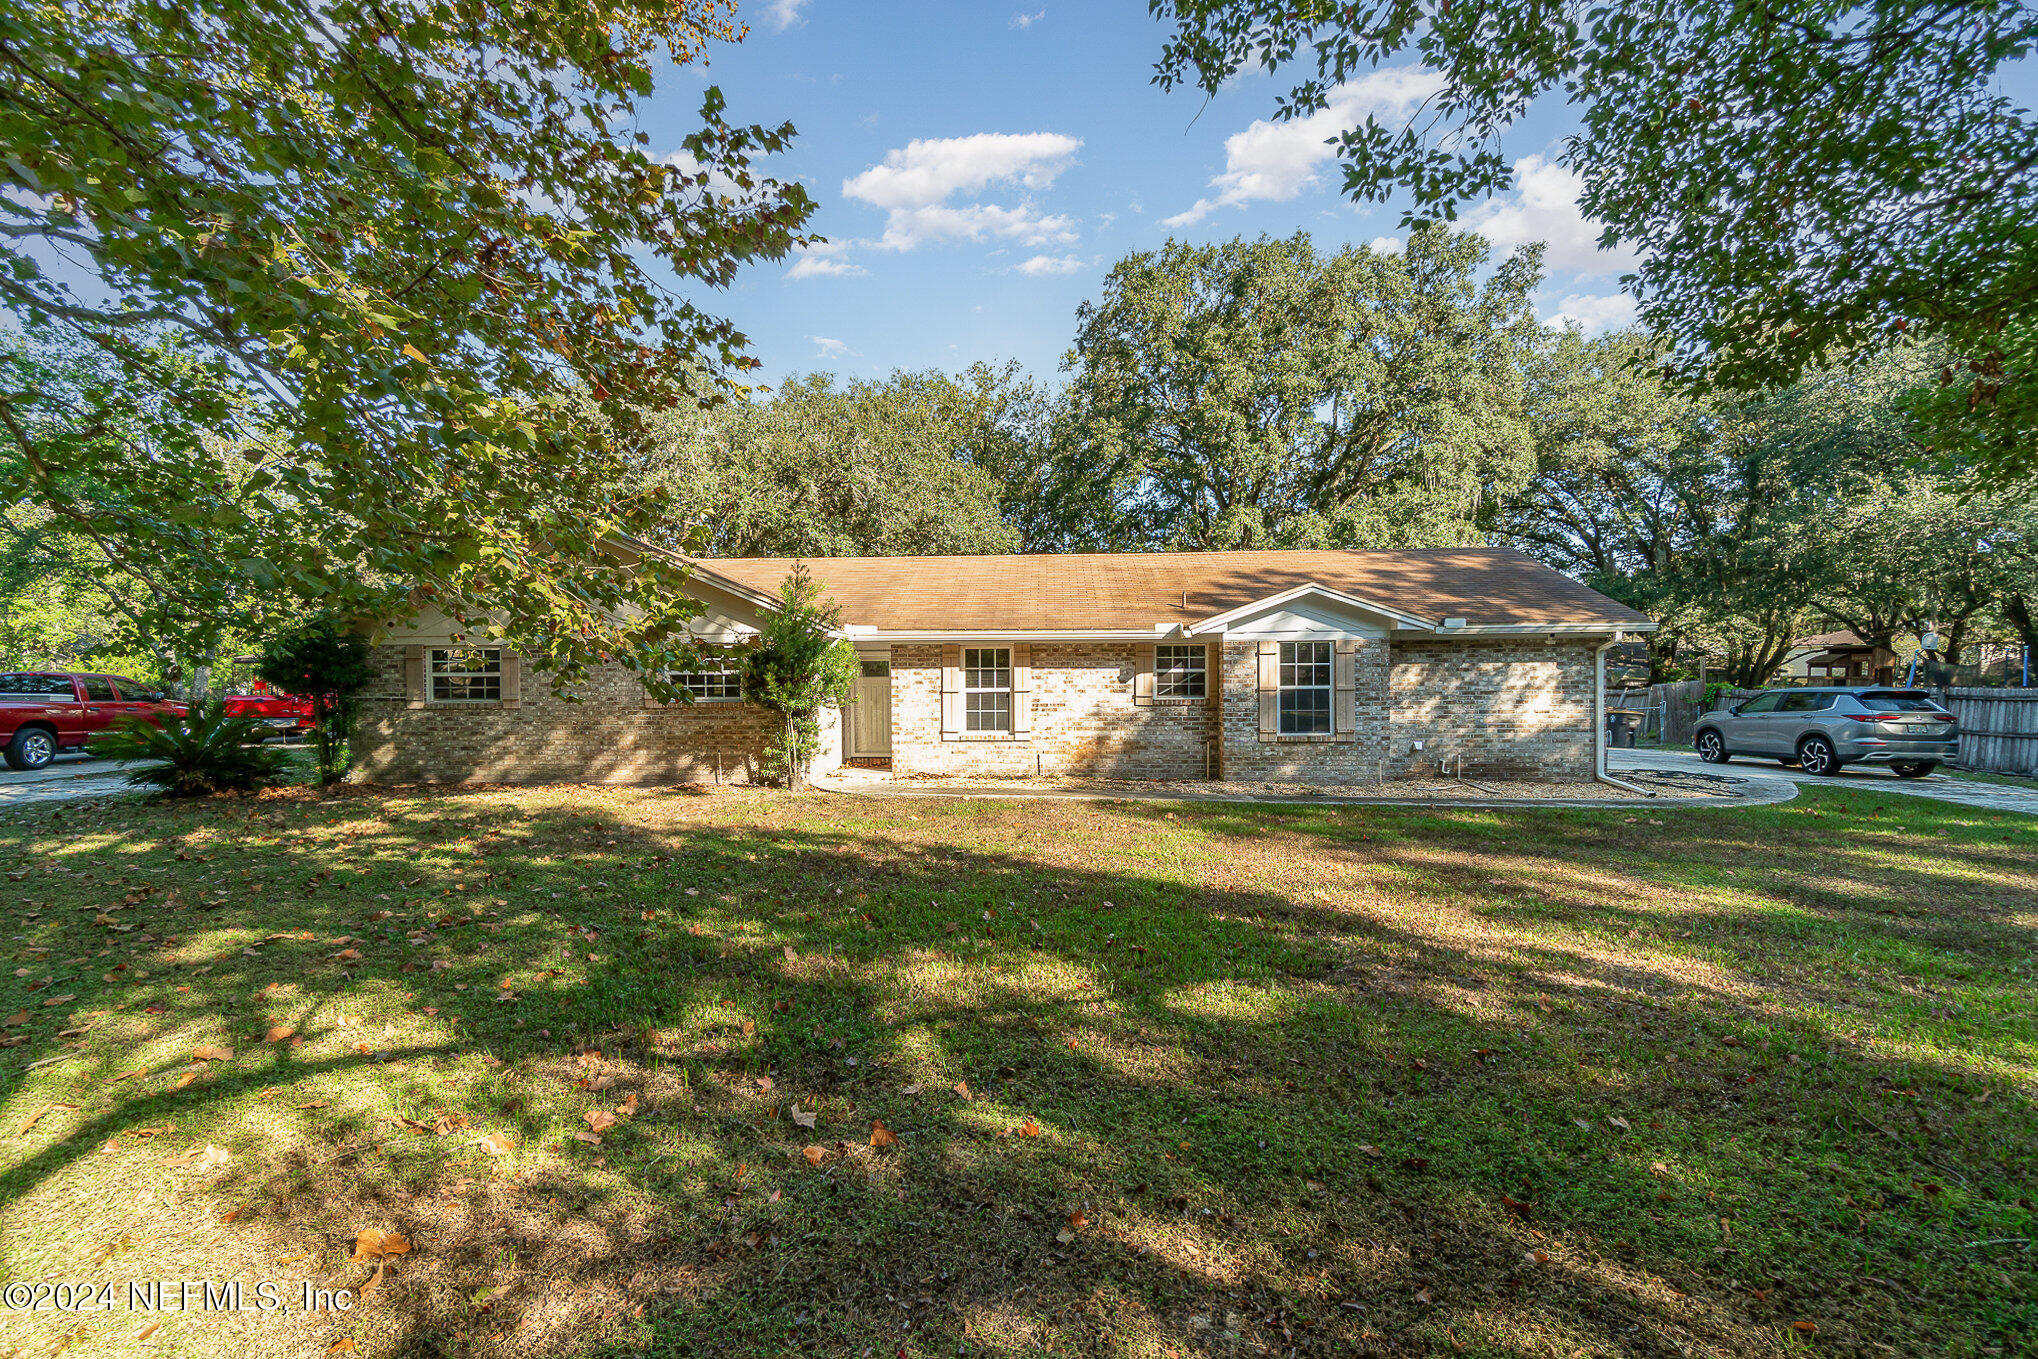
[[916, 182], [1276, 161], [783, 14], [1593, 312], [718, 183], [1544, 207], [1028, 20], [1388, 245], [833, 349], [1042, 265], [823, 259]]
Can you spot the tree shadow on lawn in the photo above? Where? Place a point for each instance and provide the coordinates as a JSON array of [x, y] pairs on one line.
[[1294, 1113]]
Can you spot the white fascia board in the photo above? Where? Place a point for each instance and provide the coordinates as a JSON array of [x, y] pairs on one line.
[[1004, 635], [1533, 629], [1221, 622]]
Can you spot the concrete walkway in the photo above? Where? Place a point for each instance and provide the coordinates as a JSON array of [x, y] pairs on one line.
[[1756, 792], [1992, 797]]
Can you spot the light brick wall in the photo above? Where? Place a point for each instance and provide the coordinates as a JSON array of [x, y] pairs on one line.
[[1084, 720], [1510, 708], [1518, 709], [1515, 709], [609, 736], [1345, 759]]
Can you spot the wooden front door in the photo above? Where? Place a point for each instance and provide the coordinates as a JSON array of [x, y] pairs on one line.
[[870, 717]]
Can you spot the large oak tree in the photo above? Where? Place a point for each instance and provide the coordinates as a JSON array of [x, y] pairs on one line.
[[382, 253]]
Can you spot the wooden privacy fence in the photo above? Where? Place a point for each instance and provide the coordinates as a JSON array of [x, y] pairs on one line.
[[1998, 727]]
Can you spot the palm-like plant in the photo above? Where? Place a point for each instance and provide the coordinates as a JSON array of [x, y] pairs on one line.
[[207, 752]]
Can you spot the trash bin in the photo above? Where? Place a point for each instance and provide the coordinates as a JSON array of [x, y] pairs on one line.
[[1622, 728]]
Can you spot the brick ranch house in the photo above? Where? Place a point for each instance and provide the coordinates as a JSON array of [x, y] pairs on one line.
[[1322, 667]]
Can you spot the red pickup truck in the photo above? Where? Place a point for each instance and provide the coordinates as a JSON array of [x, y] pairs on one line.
[[42, 712], [284, 714]]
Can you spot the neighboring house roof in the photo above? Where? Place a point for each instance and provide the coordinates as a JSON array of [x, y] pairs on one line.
[[1830, 640], [1487, 587]]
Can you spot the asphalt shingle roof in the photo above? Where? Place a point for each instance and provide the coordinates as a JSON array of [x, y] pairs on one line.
[[1082, 592]]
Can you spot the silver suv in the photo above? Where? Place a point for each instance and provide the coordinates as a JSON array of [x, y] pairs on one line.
[[1820, 730]]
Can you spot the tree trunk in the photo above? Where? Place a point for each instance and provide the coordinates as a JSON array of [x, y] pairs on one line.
[[2018, 611], [201, 680]]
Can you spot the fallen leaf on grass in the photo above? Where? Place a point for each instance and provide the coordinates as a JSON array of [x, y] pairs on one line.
[[498, 1144], [185, 1080], [814, 1155], [803, 1117], [1029, 1129], [206, 1052], [36, 1117], [344, 1345], [1804, 1327], [145, 1332], [962, 1088], [279, 1033], [881, 1136], [373, 1243], [599, 1120]]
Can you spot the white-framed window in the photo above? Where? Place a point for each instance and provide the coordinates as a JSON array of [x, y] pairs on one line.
[[1179, 672], [1305, 688], [987, 688], [718, 678], [465, 674]]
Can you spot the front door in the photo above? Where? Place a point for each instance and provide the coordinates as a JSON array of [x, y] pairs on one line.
[[870, 717]]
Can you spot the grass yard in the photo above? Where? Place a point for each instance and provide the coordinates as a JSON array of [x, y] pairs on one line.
[[745, 1074]]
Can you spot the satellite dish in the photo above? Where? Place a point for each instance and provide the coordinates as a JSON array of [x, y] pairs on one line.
[[1930, 641]]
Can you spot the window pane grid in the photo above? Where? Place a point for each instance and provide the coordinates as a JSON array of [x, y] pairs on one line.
[[466, 675], [719, 680], [1179, 672], [1304, 702], [987, 688]]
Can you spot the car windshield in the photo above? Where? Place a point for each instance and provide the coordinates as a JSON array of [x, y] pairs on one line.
[[1899, 703], [43, 686]]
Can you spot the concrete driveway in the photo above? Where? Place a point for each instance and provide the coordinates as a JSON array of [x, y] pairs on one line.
[[70, 777], [1874, 778]]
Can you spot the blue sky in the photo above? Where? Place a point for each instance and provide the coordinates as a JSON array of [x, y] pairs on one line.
[[979, 167]]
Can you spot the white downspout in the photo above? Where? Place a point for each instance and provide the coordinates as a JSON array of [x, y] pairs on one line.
[[1599, 720]]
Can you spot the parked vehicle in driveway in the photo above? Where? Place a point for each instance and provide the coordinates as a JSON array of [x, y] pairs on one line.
[[284, 714], [1820, 730], [45, 711]]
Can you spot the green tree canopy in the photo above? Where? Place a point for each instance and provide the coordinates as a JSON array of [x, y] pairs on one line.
[[1260, 394], [1803, 180], [871, 468], [403, 243]]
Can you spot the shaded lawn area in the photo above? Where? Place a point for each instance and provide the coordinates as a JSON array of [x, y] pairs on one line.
[[1163, 1081]]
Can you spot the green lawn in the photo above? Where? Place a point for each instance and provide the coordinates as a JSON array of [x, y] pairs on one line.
[[1148, 1081]]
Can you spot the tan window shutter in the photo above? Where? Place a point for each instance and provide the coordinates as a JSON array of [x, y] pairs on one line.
[[414, 675], [512, 680], [1022, 689], [1270, 688], [951, 692], [1344, 698], [1142, 676]]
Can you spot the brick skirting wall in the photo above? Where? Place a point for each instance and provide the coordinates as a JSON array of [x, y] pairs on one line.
[[1084, 720], [607, 737]]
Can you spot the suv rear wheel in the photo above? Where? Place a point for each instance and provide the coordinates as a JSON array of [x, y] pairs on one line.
[[1815, 755], [1711, 748], [31, 748]]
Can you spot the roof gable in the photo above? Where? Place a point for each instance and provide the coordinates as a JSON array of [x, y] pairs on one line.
[[1309, 608]]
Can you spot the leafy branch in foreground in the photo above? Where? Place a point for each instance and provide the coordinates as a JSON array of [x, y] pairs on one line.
[[404, 245]]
